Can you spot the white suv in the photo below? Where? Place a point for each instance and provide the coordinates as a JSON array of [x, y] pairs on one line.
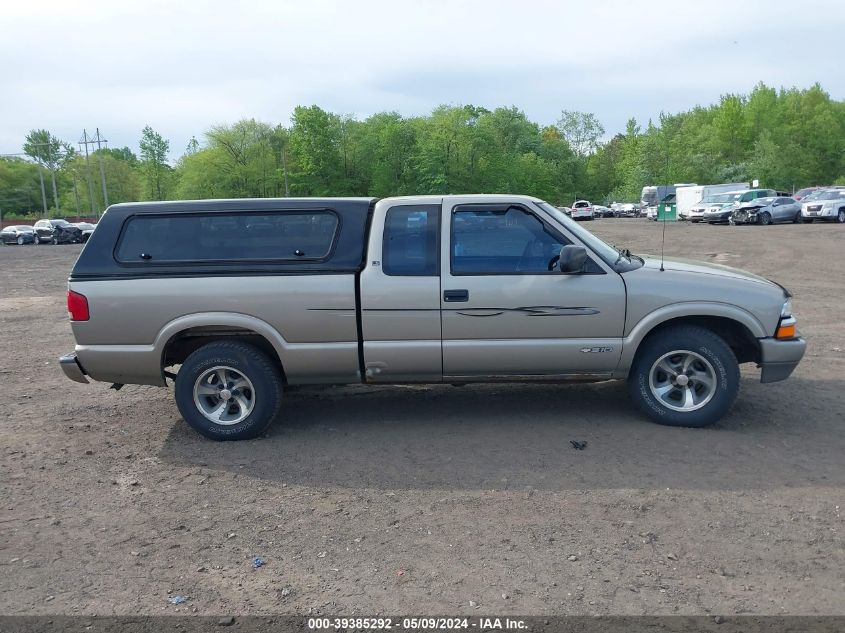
[[582, 210], [827, 204]]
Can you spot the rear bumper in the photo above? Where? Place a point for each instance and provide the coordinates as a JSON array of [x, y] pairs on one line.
[[779, 358], [73, 370]]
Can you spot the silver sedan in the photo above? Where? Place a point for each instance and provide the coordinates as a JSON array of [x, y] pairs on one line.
[[767, 211]]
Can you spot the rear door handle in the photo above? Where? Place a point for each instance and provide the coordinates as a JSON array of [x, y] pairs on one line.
[[452, 296]]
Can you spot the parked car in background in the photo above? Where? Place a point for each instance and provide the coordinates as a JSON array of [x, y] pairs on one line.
[[582, 210], [600, 211], [803, 193], [765, 211], [688, 196], [566, 210], [629, 210], [715, 201], [721, 214], [827, 205], [57, 232], [18, 235], [86, 227]]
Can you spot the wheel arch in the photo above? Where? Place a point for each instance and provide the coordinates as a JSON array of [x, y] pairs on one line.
[[737, 327], [182, 336]]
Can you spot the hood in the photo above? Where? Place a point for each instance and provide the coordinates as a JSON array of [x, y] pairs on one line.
[[703, 268], [754, 205], [686, 281]]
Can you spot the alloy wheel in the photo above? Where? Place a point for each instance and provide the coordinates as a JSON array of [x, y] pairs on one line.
[[682, 380], [224, 395]]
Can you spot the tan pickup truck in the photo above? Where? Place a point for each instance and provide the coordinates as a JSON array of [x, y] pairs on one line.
[[234, 300]]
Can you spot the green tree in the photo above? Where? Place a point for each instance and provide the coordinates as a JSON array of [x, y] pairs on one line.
[[154, 149], [582, 130], [50, 152], [314, 145]]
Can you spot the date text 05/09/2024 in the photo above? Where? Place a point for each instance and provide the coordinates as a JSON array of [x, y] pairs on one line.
[[417, 623]]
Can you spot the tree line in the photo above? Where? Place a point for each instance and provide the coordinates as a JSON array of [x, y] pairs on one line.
[[787, 139]]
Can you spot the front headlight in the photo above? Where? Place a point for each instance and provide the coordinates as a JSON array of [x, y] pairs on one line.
[[786, 310]]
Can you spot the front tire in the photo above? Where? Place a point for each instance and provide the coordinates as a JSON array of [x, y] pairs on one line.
[[764, 219], [229, 391], [840, 217], [684, 376]]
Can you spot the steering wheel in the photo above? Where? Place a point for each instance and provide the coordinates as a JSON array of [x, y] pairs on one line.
[[553, 262]]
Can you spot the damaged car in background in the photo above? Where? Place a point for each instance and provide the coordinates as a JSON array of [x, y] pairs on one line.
[[765, 211], [57, 232]]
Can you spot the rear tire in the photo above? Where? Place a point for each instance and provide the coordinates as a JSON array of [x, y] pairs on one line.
[[684, 376], [250, 384]]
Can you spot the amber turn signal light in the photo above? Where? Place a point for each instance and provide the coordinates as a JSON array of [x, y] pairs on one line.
[[786, 329]]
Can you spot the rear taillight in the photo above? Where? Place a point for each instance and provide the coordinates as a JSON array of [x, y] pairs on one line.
[[77, 306]]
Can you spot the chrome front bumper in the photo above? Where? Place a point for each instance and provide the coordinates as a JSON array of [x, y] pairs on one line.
[[73, 370]]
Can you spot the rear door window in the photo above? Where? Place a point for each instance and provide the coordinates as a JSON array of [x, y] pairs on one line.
[[212, 237], [411, 238]]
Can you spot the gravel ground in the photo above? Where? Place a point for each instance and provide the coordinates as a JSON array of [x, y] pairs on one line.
[[430, 499]]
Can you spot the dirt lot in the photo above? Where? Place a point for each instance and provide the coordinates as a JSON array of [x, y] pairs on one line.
[[432, 499]]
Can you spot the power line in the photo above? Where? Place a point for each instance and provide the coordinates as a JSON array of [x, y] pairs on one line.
[[85, 141]]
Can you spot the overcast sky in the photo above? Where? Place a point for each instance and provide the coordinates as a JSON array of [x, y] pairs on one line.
[[185, 65]]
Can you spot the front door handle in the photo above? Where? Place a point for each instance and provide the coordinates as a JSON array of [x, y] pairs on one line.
[[452, 296]]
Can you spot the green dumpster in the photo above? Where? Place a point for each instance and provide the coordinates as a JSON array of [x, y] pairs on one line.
[[667, 211]]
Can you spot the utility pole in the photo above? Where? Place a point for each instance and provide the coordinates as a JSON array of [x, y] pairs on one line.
[[76, 194], [84, 141], [285, 168], [53, 176], [43, 192], [102, 171]]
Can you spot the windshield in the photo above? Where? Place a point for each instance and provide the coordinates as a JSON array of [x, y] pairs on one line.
[[59, 222], [828, 194], [609, 254], [649, 195]]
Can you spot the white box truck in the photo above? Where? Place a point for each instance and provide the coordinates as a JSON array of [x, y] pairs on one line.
[[687, 197]]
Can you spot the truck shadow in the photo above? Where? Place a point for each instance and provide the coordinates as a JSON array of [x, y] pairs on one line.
[[518, 436]]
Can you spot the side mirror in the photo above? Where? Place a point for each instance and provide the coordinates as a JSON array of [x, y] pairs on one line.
[[572, 259]]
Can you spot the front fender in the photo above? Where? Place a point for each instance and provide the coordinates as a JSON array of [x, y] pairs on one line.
[[646, 324]]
